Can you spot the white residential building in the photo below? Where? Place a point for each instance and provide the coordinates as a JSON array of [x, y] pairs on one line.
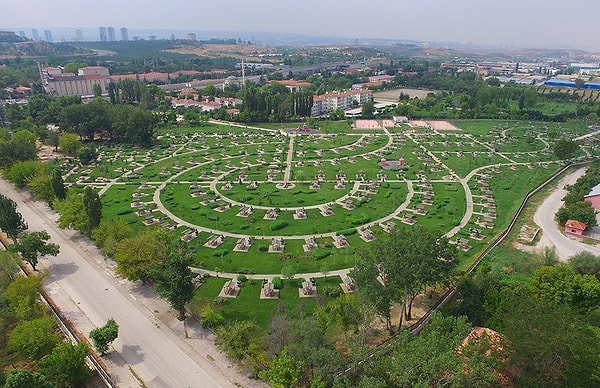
[[326, 103]]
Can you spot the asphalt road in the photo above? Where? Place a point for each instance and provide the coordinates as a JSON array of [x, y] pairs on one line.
[[86, 291], [551, 235]]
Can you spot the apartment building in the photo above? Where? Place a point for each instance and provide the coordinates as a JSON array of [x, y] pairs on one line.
[[325, 103]]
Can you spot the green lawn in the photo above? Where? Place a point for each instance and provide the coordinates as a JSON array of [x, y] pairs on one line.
[[248, 305]]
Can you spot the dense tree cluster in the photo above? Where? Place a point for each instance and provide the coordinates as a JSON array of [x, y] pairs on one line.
[[33, 352], [397, 269], [575, 207], [273, 102]]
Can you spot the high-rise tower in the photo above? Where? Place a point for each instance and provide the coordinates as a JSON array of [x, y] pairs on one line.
[[110, 34], [102, 32]]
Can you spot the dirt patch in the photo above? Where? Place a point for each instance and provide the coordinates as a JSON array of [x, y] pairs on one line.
[[247, 52], [394, 95], [48, 153]]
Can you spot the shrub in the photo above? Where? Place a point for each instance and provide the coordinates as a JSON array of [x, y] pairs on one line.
[[320, 253], [211, 318], [277, 224], [220, 252], [245, 270], [242, 278], [212, 217], [263, 248], [359, 219], [277, 283], [331, 291], [124, 210], [347, 232]]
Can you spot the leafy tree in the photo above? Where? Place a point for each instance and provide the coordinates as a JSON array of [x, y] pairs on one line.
[[33, 244], [35, 338], [109, 234], [9, 269], [547, 343], [560, 284], [235, 339], [65, 366], [211, 318], [41, 187], [474, 292], [397, 269], [20, 378], [433, 358], [11, 221], [585, 263], [103, 336], [72, 212], [92, 206], [581, 211], [288, 272], [86, 155], [97, 90], [23, 295], [57, 183], [69, 143], [565, 149], [548, 255], [20, 173], [21, 146], [368, 110], [138, 256], [174, 277], [283, 371]]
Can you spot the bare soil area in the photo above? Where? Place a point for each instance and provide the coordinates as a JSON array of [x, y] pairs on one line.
[[247, 52]]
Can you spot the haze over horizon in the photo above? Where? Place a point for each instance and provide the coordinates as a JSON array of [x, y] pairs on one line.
[[511, 23]]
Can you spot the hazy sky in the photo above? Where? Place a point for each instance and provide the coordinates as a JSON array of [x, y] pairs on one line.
[[520, 23]]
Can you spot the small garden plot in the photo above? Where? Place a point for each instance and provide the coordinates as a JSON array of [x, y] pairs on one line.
[[462, 165]]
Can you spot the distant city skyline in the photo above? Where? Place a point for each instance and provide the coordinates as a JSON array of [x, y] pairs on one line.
[[511, 23]]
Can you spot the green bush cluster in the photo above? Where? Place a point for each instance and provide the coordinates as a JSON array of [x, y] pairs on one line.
[[277, 283], [331, 291], [320, 253], [278, 224], [220, 252], [124, 210], [359, 219], [347, 232]]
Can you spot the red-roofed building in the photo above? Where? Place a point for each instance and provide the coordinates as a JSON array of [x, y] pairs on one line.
[[575, 228]]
